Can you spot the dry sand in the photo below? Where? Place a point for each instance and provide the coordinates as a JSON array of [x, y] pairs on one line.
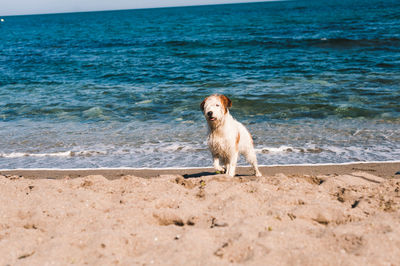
[[326, 215]]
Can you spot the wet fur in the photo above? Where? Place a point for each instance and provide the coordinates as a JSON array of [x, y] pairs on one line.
[[227, 137]]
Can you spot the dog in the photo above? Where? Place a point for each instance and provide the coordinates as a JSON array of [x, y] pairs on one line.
[[227, 138]]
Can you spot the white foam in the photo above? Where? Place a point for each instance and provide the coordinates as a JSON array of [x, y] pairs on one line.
[[53, 154], [280, 149], [24, 154], [170, 147]]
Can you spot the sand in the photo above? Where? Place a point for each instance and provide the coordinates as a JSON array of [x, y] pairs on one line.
[[325, 215]]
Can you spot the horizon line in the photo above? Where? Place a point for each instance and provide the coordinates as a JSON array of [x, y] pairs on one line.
[[139, 8]]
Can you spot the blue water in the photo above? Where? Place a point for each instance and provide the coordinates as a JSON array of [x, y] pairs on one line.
[[314, 81]]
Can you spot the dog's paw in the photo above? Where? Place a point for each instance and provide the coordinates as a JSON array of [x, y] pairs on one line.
[[220, 171]]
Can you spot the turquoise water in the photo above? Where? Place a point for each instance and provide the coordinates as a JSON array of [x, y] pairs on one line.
[[314, 81]]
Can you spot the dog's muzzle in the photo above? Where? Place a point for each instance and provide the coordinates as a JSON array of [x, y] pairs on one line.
[[210, 116]]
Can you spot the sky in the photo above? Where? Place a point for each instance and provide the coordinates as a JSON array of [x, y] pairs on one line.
[[25, 7]]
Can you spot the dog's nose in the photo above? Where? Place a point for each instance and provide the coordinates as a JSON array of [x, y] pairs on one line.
[[209, 114]]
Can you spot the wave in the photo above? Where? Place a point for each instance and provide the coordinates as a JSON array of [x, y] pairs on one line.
[[52, 154], [340, 42], [289, 149], [156, 148], [354, 43], [321, 42], [145, 149], [178, 155]]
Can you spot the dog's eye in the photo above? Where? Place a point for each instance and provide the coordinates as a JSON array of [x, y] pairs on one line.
[[217, 105]]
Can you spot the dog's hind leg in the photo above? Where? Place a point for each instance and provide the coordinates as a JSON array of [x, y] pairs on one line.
[[252, 159]]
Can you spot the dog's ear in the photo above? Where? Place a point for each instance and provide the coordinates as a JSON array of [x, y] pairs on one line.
[[202, 105], [226, 101]]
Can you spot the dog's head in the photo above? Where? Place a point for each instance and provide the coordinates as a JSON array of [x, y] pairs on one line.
[[215, 107]]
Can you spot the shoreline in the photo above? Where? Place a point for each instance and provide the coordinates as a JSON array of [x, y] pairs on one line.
[[382, 169]]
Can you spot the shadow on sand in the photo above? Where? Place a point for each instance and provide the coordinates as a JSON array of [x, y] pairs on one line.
[[197, 175]]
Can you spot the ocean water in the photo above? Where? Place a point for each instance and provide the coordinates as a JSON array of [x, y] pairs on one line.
[[314, 82]]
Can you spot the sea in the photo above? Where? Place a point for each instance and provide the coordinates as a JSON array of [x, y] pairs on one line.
[[315, 82]]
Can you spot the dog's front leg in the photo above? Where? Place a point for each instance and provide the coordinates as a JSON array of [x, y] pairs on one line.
[[217, 166], [231, 164]]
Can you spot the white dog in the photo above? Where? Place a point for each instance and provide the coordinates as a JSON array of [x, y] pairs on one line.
[[227, 137]]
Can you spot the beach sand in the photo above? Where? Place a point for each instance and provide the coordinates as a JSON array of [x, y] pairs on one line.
[[293, 215]]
